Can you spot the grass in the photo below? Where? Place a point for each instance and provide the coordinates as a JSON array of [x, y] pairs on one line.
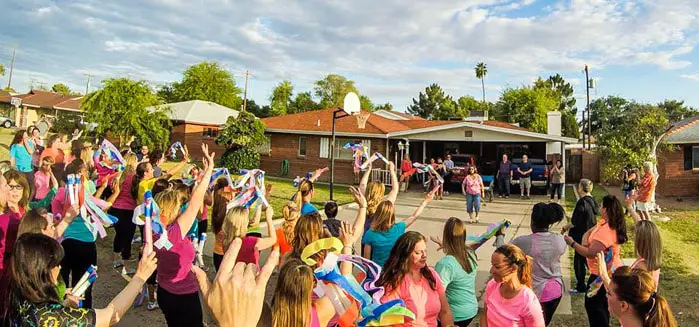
[[6, 135], [679, 277]]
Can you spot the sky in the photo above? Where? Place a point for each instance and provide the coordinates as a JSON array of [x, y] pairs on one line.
[[638, 49]]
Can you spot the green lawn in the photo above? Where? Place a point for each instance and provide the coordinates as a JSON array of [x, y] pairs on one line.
[[6, 135]]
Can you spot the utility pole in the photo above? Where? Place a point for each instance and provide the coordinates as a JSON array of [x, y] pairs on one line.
[[245, 94], [87, 86], [12, 66], [589, 127]]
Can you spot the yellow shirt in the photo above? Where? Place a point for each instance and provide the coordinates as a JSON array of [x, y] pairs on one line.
[[144, 186]]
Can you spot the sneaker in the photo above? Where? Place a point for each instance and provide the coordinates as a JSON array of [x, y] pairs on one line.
[[573, 291], [507, 196], [125, 271], [527, 197], [152, 305], [117, 264], [500, 196], [136, 239]]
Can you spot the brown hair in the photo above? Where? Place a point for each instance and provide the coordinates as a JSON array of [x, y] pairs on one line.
[[33, 221], [305, 188], [13, 175], [218, 212], [308, 229], [648, 244], [637, 288], [235, 225], [384, 216], [292, 302], [397, 265], [516, 257], [454, 244], [374, 196], [291, 214]]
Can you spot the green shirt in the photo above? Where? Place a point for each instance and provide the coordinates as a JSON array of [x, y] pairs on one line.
[[460, 286]]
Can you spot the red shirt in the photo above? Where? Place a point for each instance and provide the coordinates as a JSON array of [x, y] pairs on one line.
[[248, 253]]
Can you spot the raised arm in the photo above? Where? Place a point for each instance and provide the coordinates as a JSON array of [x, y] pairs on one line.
[[72, 212], [186, 219], [317, 173], [365, 179], [412, 218], [172, 171], [395, 187], [349, 234], [271, 239]]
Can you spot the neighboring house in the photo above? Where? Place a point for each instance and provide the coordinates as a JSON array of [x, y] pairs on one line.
[[303, 140], [196, 122], [36, 104], [679, 169]]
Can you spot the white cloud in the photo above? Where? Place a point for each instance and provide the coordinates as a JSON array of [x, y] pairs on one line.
[[691, 76]]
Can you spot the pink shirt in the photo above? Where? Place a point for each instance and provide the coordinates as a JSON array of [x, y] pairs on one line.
[[248, 253], [419, 298], [522, 310], [473, 184], [175, 265], [41, 182], [124, 200]]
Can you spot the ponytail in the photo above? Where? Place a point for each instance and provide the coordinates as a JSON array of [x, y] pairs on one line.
[[137, 178], [517, 257], [637, 288], [305, 188]]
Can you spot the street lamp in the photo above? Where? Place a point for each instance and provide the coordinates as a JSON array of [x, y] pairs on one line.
[[351, 106]]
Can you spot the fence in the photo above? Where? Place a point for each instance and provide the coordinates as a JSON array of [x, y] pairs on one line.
[[381, 175]]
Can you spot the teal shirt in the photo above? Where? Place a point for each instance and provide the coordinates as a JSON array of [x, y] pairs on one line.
[[23, 159], [460, 286], [77, 229], [381, 242], [307, 208]]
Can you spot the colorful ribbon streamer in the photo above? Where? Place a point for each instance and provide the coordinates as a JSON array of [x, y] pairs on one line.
[[360, 154], [173, 150], [85, 281], [150, 208], [597, 284], [115, 162], [218, 173], [492, 229], [252, 188], [373, 158], [94, 218]]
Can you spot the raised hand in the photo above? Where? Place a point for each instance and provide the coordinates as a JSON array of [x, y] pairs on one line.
[[347, 234], [208, 157], [147, 265], [437, 241], [358, 197]]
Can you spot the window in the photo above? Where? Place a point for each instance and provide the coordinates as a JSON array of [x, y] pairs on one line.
[[325, 147], [346, 154], [468, 133], [302, 146], [210, 132], [695, 157], [266, 148]]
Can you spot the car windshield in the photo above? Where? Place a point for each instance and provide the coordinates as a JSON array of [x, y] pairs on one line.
[[531, 161], [461, 161]]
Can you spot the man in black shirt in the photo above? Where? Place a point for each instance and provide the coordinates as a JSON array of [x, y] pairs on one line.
[[525, 181]]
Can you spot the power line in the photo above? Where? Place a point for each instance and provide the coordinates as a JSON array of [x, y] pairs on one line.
[[245, 94], [12, 67]]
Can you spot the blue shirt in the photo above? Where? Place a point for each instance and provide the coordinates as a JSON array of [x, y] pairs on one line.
[[23, 159], [524, 166], [307, 208], [505, 168], [381, 242], [460, 287]]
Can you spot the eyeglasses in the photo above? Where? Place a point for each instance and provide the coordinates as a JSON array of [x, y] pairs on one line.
[[15, 187]]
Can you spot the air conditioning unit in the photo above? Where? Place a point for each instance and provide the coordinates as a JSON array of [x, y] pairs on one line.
[[477, 115]]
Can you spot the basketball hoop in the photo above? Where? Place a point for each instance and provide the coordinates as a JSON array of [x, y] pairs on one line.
[[362, 118]]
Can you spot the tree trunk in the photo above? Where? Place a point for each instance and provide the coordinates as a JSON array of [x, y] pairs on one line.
[[483, 87]]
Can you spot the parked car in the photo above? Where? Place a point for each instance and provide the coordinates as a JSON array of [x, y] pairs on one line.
[[461, 163], [7, 122], [538, 175]]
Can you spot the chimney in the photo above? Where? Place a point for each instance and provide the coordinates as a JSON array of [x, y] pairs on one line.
[[553, 127]]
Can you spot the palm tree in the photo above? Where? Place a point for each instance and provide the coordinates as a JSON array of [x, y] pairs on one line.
[[481, 71], [2, 70]]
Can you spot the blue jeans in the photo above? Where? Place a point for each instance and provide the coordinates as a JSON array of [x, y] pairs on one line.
[[473, 203], [556, 189]]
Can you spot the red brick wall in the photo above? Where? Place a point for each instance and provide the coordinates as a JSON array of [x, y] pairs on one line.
[[674, 180], [591, 166], [285, 146], [192, 136]]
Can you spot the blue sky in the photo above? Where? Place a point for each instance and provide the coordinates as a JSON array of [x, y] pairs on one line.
[[639, 49]]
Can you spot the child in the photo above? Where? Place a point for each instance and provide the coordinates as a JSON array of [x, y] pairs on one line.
[[332, 224]]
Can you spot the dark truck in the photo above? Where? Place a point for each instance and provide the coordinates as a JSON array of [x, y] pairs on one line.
[[461, 163], [538, 175]]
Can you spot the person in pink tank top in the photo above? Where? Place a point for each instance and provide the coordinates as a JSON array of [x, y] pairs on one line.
[[293, 305], [235, 226]]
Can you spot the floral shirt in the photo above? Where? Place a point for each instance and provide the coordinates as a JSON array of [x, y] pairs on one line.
[[53, 315]]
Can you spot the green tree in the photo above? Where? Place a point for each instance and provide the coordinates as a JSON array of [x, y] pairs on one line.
[[303, 102], [259, 112], [467, 103], [166, 93], [242, 136], [63, 89], [434, 104], [365, 103], [207, 81], [386, 106], [2, 70], [607, 115], [120, 109], [563, 91], [332, 90], [676, 110], [527, 106], [280, 100], [481, 70]]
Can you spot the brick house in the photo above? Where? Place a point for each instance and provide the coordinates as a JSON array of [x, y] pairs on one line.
[[679, 169], [303, 140], [197, 122], [37, 103]]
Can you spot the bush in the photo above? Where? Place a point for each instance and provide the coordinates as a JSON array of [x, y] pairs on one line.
[[241, 158], [66, 124]]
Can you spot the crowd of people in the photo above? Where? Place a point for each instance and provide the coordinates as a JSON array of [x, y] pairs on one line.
[[46, 245]]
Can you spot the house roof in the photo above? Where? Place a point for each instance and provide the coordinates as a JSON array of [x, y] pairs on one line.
[[71, 104], [5, 96], [396, 115], [685, 131], [320, 122], [44, 99], [200, 112]]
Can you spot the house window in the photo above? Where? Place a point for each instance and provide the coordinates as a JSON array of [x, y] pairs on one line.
[[266, 148], [342, 153], [695, 157], [468, 133], [302, 146], [210, 132]]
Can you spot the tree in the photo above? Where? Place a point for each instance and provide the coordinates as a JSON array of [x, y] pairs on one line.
[[280, 100], [676, 110], [332, 90], [386, 106], [166, 93], [2, 70], [243, 136], [527, 106], [434, 104], [607, 115], [563, 91], [63, 89], [481, 70], [303, 102], [365, 103], [119, 108], [259, 112], [206, 81], [466, 104]]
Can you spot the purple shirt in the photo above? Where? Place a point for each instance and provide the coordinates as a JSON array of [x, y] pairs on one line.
[[505, 168], [175, 265]]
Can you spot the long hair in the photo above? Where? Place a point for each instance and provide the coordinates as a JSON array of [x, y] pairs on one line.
[[615, 217], [374, 196], [13, 175], [218, 212], [169, 202], [141, 170], [33, 221], [454, 244], [305, 188], [384, 216], [291, 305], [398, 264], [637, 288], [33, 258], [130, 166], [648, 244], [51, 141], [18, 138], [291, 214], [516, 257], [308, 229], [235, 225]]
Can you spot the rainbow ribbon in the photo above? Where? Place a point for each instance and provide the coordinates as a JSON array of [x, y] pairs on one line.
[[218, 173], [492, 229], [373, 158], [113, 154], [360, 153], [150, 208], [298, 180], [94, 218], [173, 150], [252, 189], [597, 284], [428, 169], [371, 310]]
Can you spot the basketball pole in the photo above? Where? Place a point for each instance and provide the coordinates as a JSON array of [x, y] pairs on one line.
[[332, 148]]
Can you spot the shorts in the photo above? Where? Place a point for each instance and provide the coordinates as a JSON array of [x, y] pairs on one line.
[[644, 206], [525, 182], [473, 203]]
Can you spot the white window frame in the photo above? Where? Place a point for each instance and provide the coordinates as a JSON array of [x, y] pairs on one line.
[[324, 147], [342, 154], [305, 146]]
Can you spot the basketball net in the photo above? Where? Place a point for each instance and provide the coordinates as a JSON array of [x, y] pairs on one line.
[[362, 118]]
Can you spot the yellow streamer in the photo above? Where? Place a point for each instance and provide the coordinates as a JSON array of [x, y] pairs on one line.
[[332, 244]]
